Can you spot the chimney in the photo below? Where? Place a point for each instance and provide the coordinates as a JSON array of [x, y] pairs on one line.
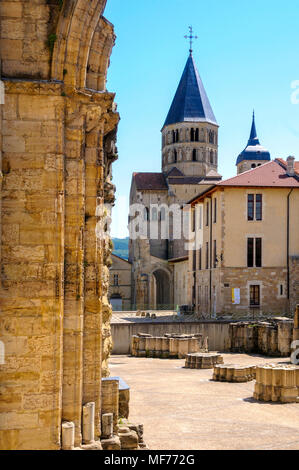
[[290, 166]]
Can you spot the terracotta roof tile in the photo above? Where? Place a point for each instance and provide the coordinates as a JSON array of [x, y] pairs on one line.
[[267, 175]]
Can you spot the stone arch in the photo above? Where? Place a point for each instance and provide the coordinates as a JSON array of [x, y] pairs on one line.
[[162, 289], [78, 22]]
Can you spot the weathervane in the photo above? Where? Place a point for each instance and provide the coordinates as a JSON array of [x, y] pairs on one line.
[[191, 37]]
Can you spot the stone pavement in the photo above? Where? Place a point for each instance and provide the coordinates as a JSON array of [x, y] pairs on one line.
[[183, 409]]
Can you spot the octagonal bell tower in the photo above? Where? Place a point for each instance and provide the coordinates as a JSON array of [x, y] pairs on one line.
[[190, 132]]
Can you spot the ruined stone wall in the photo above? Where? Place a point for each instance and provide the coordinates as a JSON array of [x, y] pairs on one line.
[[58, 143], [294, 282]]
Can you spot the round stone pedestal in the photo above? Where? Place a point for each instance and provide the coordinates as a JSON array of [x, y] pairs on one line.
[[203, 360], [233, 373]]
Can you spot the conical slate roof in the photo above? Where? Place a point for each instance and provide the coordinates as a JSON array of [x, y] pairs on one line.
[[254, 150], [190, 103]]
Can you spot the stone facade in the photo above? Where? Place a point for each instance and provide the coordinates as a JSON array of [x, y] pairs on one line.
[[220, 275], [58, 127]]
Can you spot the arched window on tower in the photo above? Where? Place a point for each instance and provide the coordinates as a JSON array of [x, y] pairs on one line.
[[154, 214], [146, 214], [211, 137], [192, 135], [173, 137], [177, 136], [175, 156], [194, 155], [211, 157], [197, 135], [253, 165]]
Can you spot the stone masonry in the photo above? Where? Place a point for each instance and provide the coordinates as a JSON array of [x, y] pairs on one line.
[[58, 131]]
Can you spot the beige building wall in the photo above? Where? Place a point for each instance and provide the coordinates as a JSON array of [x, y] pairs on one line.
[[181, 281], [121, 281], [230, 232], [57, 150]]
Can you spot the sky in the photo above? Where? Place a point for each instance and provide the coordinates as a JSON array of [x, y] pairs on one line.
[[247, 54]]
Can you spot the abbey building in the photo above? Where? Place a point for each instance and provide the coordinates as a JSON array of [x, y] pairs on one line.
[[246, 243]]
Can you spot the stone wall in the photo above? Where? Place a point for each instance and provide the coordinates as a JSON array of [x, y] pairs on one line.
[[294, 282], [58, 143]]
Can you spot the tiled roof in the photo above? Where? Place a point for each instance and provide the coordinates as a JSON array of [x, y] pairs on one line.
[[185, 180], [270, 174], [190, 103], [284, 163], [150, 181], [175, 172]]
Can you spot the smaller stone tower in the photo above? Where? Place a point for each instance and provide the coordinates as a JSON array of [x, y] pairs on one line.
[[254, 154]]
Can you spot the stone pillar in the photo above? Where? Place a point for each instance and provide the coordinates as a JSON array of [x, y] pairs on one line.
[[68, 435], [88, 423], [107, 426]]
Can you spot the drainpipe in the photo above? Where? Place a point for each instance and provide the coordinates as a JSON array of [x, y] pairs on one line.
[[288, 244], [211, 252]]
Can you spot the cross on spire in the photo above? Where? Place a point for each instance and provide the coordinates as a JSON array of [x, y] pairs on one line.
[[191, 37]]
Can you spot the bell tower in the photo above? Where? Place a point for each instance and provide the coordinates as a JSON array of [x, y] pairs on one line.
[[190, 132]]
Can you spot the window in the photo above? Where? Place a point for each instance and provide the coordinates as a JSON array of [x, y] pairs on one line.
[[254, 252], [250, 206], [177, 136], [173, 137], [281, 289], [211, 157], [255, 296], [258, 207], [146, 214], [193, 219], [115, 280], [194, 156], [215, 254], [215, 211], [154, 214], [255, 207], [175, 156], [196, 135], [258, 252], [199, 258], [207, 255], [192, 135]]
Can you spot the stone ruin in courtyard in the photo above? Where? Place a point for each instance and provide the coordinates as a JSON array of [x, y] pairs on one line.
[[277, 383], [169, 346], [270, 338], [234, 373], [206, 360]]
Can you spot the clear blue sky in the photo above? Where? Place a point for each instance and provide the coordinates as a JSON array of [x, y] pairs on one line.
[[247, 55]]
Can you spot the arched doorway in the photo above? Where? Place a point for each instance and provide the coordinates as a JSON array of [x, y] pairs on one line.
[[116, 302], [162, 289]]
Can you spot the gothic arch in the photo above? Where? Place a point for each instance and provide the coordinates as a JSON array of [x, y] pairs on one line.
[[78, 22]]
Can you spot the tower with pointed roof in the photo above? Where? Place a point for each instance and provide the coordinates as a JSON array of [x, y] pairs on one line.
[[254, 153], [190, 131]]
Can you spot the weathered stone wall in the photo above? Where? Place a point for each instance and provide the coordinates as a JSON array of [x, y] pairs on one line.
[[57, 146], [294, 282]]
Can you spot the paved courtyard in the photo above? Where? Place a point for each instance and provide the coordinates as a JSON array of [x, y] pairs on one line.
[[183, 409]]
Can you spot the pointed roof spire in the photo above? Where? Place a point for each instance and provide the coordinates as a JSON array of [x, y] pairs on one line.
[[254, 150], [253, 139], [190, 103]]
